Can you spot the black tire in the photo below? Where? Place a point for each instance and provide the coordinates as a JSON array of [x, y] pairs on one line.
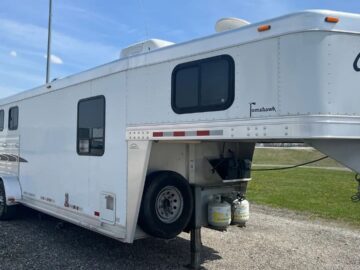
[[6, 212], [156, 217]]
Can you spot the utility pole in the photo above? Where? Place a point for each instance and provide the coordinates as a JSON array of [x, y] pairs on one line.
[[49, 45]]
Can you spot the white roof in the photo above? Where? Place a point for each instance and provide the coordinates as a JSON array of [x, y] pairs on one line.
[[311, 20]]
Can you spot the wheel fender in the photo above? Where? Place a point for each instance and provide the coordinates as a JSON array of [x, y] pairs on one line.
[[12, 189]]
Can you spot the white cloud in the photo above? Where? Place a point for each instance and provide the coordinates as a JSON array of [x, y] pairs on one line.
[[13, 53], [83, 54], [55, 59]]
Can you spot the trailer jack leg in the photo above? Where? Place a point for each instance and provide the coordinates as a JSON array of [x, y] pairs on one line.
[[195, 249]]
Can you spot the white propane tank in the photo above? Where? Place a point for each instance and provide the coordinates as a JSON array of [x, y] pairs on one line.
[[240, 211], [219, 213]]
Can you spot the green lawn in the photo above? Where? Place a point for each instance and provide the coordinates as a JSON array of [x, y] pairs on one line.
[[291, 156], [323, 193]]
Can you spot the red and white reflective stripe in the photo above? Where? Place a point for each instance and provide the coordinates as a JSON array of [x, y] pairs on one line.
[[195, 133]]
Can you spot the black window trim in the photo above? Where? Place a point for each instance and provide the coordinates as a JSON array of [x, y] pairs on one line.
[[209, 108], [77, 125], [3, 125], [18, 116]]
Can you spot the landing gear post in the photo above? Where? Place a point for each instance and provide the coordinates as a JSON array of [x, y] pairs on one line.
[[195, 232], [195, 248]]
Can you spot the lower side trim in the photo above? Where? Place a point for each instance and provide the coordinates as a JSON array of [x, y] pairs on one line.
[[114, 231]]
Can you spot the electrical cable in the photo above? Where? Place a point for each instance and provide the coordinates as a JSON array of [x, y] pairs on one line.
[[293, 166]]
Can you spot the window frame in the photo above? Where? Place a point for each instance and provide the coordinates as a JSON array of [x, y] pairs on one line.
[[77, 125], [18, 116], [3, 120], [199, 107]]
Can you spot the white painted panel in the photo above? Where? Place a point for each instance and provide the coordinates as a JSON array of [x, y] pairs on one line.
[[303, 73], [343, 89], [255, 81]]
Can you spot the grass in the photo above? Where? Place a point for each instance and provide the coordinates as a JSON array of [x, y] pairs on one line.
[[320, 192], [291, 156]]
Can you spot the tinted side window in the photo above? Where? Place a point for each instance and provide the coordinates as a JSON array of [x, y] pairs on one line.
[[188, 83], [214, 82], [2, 120], [91, 126], [203, 85], [13, 118]]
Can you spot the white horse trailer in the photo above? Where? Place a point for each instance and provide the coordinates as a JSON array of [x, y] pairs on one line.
[[139, 146]]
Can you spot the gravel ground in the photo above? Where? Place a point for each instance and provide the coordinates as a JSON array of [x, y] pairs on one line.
[[273, 239]]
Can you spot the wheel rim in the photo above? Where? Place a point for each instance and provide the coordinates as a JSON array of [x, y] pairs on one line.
[[169, 204], [2, 199]]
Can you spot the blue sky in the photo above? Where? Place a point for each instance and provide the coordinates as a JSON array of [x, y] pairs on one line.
[[87, 33]]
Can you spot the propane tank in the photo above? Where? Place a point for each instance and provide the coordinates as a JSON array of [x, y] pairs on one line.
[[240, 211], [219, 213]]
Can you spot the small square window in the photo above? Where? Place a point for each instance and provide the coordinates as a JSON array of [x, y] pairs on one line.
[[91, 126], [2, 118], [13, 118]]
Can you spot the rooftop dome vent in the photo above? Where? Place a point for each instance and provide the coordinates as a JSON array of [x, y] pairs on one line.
[[226, 24], [144, 46]]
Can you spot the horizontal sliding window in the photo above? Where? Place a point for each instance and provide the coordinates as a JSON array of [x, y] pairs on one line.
[[203, 85]]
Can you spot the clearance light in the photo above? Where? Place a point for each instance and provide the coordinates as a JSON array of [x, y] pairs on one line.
[[264, 27], [179, 133], [203, 133], [331, 19], [158, 134]]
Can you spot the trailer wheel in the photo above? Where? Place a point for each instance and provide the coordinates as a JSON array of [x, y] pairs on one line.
[[167, 204], [6, 212]]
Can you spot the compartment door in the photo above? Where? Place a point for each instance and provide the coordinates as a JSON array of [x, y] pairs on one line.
[[107, 207]]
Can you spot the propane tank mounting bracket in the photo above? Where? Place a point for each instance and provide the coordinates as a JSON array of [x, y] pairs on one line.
[[231, 168]]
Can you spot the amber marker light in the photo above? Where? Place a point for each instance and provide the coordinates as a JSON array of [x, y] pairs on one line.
[[264, 27], [331, 19]]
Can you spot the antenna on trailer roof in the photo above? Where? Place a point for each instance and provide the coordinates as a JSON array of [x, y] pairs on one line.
[[49, 45]]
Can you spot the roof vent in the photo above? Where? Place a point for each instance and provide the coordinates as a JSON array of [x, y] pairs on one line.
[[226, 24], [143, 47]]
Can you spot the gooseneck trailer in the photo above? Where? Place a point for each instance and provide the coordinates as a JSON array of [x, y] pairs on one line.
[[138, 147]]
